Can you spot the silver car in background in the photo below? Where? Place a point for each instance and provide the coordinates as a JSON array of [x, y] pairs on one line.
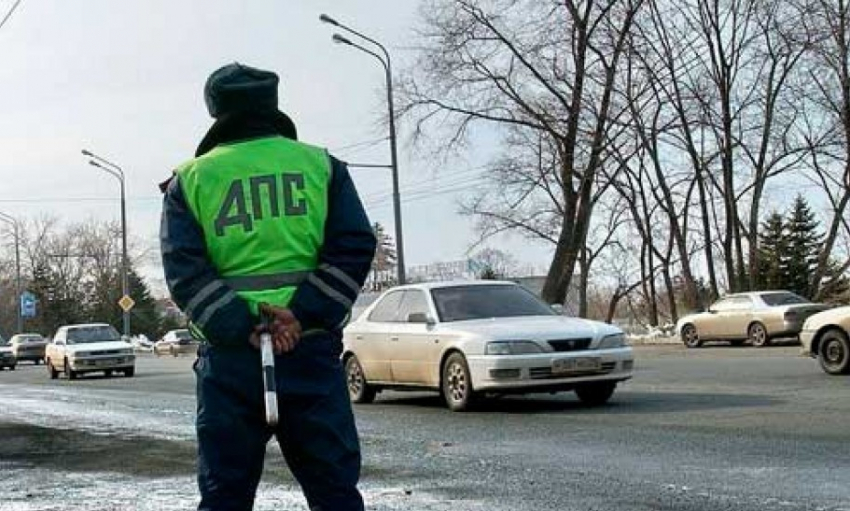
[[28, 347], [465, 339], [757, 317]]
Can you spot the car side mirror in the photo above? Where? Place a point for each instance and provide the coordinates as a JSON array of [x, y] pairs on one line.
[[558, 308], [712, 310], [420, 317]]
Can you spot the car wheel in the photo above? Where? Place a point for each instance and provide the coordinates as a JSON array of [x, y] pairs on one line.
[[130, 372], [596, 394], [690, 336], [457, 384], [757, 335], [359, 390], [107, 373], [69, 373], [51, 370], [12, 367], [834, 352], [36, 361], [173, 352]]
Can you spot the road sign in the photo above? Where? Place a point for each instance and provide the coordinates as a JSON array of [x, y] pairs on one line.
[[28, 302], [126, 303]]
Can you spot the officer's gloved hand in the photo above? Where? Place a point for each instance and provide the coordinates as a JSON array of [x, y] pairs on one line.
[[284, 328]]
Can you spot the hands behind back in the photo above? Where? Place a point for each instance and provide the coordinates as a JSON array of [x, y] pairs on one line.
[[283, 327]]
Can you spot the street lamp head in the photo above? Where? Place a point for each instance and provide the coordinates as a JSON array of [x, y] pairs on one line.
[[324, 18], [95, 164], [341, 40], [86, 152]]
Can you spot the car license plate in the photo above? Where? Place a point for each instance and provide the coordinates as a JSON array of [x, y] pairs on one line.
[[575, 365]]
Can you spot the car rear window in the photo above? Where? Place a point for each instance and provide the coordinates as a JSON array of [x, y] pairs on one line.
[[775, 299]]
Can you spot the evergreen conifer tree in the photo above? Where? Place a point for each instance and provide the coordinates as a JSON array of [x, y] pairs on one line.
[[772, 250], [803, 248]]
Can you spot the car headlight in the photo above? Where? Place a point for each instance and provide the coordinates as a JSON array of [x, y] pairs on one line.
[[512, 348], [612, 341]]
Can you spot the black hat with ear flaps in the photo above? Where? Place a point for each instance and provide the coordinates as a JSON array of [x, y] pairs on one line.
[[236, 91]]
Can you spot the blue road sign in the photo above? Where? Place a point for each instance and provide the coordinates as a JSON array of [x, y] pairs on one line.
[[28, 302]]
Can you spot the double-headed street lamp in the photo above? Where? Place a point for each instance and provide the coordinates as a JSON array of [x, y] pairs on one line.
[[17, 233], [384, 59], [118, 173]]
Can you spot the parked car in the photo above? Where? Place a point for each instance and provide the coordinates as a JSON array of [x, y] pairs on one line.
[[467, 339], [175, 342], [826, 337], [28, 347], [757, 317], [96, 347], [142, 343], [7, 356]]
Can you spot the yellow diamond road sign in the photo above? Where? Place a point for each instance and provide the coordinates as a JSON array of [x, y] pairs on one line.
[[126, 303]]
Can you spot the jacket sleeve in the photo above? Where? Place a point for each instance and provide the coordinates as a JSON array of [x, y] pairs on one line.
[[325, 299], [222, 316]]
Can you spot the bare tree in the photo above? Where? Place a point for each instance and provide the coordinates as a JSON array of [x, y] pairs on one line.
[[827, 72], [545, 73]]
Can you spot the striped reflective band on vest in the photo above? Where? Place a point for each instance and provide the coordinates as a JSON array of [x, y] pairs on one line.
[[265, 282], [248, 283]]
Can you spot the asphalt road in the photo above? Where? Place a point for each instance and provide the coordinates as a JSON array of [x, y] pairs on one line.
[[712, 429]]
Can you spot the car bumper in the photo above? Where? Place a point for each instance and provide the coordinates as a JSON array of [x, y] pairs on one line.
[[102, 363], [806, 339], [31, 355], [532, 373], [8, 361]]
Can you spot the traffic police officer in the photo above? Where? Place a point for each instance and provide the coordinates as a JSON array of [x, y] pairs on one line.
[[258, 217]]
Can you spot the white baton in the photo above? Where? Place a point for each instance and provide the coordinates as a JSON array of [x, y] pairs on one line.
[[268, 378]]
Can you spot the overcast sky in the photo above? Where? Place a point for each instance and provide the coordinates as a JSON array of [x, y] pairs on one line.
[[125, 79]]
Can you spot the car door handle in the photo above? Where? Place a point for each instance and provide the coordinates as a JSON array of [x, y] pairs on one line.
[[358, 337], [393, 338]]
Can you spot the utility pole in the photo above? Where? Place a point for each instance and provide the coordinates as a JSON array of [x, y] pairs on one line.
[[384, 59], [17, 233], [118, 173]]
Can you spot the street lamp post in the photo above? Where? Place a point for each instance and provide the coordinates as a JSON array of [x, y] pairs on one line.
[[17, 233], [118, 173], [384, 59]]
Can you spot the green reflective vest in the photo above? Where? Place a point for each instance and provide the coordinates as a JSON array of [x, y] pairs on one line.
[[262, 205]]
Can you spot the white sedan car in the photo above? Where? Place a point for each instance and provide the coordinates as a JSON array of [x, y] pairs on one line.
[[96, 347], [465, 339]]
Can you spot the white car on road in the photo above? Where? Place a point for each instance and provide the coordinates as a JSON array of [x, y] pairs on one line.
[[465, 339], [826, 337], [96, 347]]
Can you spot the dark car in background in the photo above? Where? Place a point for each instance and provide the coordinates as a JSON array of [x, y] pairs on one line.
[[7, 356]]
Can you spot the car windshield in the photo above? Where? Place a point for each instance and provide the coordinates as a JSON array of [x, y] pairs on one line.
[[463, 303], [30, 338], [183, 334], [87, 334], [774, 299]]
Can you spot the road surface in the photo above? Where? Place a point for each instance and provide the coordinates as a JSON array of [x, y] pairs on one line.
[[699, 430]]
